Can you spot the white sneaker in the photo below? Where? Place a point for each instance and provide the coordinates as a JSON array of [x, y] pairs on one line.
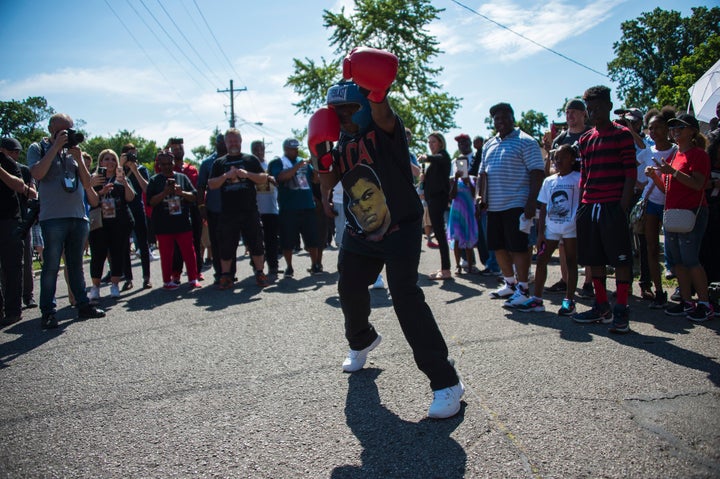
[[446, 402], [379, 283], [94, 294], [114, 291], [463, 263], [355, 360], [504, 291], [519, 297], [154, 255]]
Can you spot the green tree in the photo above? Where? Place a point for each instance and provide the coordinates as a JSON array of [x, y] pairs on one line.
[[147, 149], [25, 120], [674, 87], [399, 26], [651, 44]]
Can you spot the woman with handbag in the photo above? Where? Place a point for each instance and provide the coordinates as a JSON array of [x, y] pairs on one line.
[[110, 223], [653, 197], [684, 178]]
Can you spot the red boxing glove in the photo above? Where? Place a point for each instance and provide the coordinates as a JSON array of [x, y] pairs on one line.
[[372, 70], [323, 130]]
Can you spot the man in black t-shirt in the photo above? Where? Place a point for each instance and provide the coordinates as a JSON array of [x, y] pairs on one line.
[[13, 195], [383, 215], [236, 175]]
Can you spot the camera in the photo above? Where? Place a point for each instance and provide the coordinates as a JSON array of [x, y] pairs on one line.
[[176, 141], [130, 156], [74, 138], [29, 217]]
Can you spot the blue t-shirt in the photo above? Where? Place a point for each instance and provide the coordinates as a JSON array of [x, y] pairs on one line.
[[296, 193]]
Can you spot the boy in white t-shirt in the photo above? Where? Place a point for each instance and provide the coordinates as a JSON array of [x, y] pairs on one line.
[[559, 198]]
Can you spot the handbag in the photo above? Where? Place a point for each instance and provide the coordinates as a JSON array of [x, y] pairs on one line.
[[676, 220], [95, 217], [637, 213]]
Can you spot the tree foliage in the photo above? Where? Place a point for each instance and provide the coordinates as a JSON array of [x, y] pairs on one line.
[[398, 26], [147, 149], [25, 120], [651, 44], [674, 88]]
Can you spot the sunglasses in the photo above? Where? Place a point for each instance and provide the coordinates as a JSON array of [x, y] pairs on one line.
[[678, 127]]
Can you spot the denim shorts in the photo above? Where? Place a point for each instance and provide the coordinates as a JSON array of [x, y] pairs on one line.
[[684, 248], [655, 209]]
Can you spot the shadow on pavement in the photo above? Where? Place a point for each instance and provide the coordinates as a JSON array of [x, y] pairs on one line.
[[660, 346], [392, 447]]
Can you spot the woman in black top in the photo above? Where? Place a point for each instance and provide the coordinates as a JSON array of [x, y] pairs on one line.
[[111, 240], [437, 196]]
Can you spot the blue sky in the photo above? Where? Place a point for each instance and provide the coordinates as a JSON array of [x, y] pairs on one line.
[[81, 58]]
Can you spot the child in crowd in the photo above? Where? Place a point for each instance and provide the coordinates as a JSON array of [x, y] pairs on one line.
[[462, 227], [558, 198]]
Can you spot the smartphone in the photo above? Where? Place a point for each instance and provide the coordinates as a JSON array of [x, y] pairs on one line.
[[102, 171], [462, 165]]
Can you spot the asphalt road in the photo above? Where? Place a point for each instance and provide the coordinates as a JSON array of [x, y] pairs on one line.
[[247, 384]]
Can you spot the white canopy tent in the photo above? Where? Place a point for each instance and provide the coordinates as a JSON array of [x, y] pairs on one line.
[[705, 94]]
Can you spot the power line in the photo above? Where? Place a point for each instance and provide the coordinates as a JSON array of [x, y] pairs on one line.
[[205, 39], [157, 37], [175, 43], [192, 47], [151, 60], [528, 39], [237, 75]]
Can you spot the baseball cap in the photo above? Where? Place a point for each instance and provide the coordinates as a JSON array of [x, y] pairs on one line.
[[575, 104], [10, 144], [630, 114], [291, 143], [684, 119], [462, 136]]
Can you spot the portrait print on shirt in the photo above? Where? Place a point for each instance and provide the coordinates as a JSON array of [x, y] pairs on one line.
[[366, 202]]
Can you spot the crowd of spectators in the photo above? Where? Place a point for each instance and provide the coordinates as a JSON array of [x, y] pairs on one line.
[[512, 199]]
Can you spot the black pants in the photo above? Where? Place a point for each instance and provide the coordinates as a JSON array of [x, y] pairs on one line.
[[197, 225], [28, 282], [113, 241], [400, 253], [141, 241], [271, 239], [11, 269], [213, 220], [436, 211]]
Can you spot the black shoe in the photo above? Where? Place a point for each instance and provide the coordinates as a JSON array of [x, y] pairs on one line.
[[147, 284], [289, 272], [49, 321], [127, 286], [30, 304], [8, 320], [559, 287], [89, 311], [587, 291]]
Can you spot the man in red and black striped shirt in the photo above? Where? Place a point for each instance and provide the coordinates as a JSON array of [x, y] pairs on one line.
[[608, 173]]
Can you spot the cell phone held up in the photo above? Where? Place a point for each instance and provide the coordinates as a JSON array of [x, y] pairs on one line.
[[462, 166]]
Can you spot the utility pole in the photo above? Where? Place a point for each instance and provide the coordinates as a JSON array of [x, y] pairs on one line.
[[232, 101]]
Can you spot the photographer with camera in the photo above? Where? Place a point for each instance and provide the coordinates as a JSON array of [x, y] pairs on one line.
[[56, 163], [138, 176], [14, 192]]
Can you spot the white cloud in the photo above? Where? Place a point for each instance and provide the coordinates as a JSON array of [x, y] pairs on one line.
[[548, 23]]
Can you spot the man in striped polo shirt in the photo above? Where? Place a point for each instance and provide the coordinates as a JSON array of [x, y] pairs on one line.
[[511, 173], [607, 177]]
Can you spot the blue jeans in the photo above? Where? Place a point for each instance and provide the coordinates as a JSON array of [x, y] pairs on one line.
[[68, 235]]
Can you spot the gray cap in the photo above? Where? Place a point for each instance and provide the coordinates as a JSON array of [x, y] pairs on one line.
[[291, 143], [10, 144]]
